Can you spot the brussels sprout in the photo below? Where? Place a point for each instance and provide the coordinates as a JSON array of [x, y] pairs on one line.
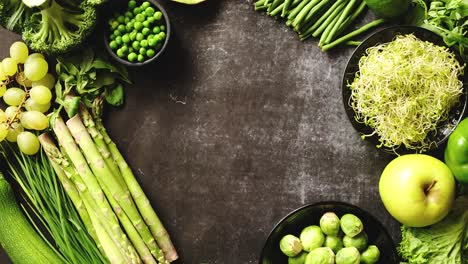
[[330, 224], [359, 241], [311, 238], [351, 225], [290, 245], [322, 255], [334, 243], [349, 255], [299, 259], [371, 255]]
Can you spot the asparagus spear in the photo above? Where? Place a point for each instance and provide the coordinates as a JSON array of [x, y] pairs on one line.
[[141, 200]]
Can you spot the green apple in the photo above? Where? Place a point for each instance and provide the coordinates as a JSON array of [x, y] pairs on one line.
[[417, 190]]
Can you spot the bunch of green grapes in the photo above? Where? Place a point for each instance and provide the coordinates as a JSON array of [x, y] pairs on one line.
[[25, 86]]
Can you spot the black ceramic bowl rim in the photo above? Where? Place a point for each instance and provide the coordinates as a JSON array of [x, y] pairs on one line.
[[158, 54], [447, 126], [332, 203]]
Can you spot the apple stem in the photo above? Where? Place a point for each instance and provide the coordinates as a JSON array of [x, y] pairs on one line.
[[428, 188]]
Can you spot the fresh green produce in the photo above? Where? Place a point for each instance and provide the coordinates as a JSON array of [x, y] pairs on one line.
[[311, 238], [56, 27], [359, 241], [404, 89], [139, 33], [319, 18], [50, 203], [334, 243], [371, 255], [330, 224], [351, 225], [321, 255], [348, 255], [456, 153], [447, 18], [318, 248], [388, 8], [299, 259], [425, 187], [444, 242], [189, 2], [17, 236], [23, 79], [290, 245]]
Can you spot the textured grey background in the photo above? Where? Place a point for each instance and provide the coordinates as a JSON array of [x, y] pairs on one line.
[[238, 125]]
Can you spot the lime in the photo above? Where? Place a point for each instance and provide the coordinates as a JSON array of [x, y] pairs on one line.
[[388, 8]]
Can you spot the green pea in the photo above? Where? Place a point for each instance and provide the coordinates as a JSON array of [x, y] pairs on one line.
[[142, 51], [162, 35], [152, 42], [127, 19], [146, 24], [120, 53], [112, 36], [150, 36], [113, 45], [156, 30], [114, 25], [150, 53], [118, 40], [136, 11], [132, 4], [149, 11], [162, 28], [121, 19], [121, 28], [136, 45], [126, 38], [138, 25], [124, 49], [141, 58], [132, 57], [151, 19], [133, 35], [140, 18], [129, 14], [111, 21], [146, 31], [158, 46], [157, 15], [145, 4], [144, 43], [130, 50], [139, 36], [129, 27]]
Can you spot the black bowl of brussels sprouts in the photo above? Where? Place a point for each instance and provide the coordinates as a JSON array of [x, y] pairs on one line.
[[138, 32], [307, 235]]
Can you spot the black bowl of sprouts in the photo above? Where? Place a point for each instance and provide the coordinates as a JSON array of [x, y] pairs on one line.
[[403, 89]]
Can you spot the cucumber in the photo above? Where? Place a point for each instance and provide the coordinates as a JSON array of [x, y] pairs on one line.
[[17, 236]]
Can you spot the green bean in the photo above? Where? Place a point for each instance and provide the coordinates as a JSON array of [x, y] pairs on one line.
[[316, 9], [329, 20], [351, 18], [297, 9], [277, 10], [340, 21], [286, 6], [260, 3], [303, 13], [275, 4], [329, 29], [327, 14], [353, 43]]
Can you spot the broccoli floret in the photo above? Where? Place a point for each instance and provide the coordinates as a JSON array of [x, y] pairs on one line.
[[96, 2], [13, 14], [60, 27]]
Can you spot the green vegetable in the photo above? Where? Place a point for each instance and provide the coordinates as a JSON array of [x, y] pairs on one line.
[[388, 8], [321, 255], [330, 224], [312, 238], [444, 242], [456, 152], [299, 259], [19, 239], [371, 255], [348, 255], [359, 241], [334, 243], [404, 89], [351, 225], [190, 2], [14, 15], [290, 245]]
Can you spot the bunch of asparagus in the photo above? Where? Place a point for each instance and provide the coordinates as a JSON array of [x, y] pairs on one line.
[[324, 19], [104, 190]]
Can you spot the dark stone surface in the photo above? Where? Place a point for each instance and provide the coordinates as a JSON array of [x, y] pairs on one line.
[[238, 125]]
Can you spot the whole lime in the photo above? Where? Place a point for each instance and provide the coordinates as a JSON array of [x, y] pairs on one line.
[[388, 8]]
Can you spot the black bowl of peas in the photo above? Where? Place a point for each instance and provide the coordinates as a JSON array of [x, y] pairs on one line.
[[138, 34]]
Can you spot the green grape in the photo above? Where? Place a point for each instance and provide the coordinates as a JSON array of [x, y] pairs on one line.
[[11, 111], [14, 96], [13, 132], [34, 56], [19, 51], [10, 67], [41, 94], [3, 131], [2, 89], [48, 81], [28, 143], [3, 76], [36, 69], [3, 116], [22, 80], [34, 120], [31, 105]]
